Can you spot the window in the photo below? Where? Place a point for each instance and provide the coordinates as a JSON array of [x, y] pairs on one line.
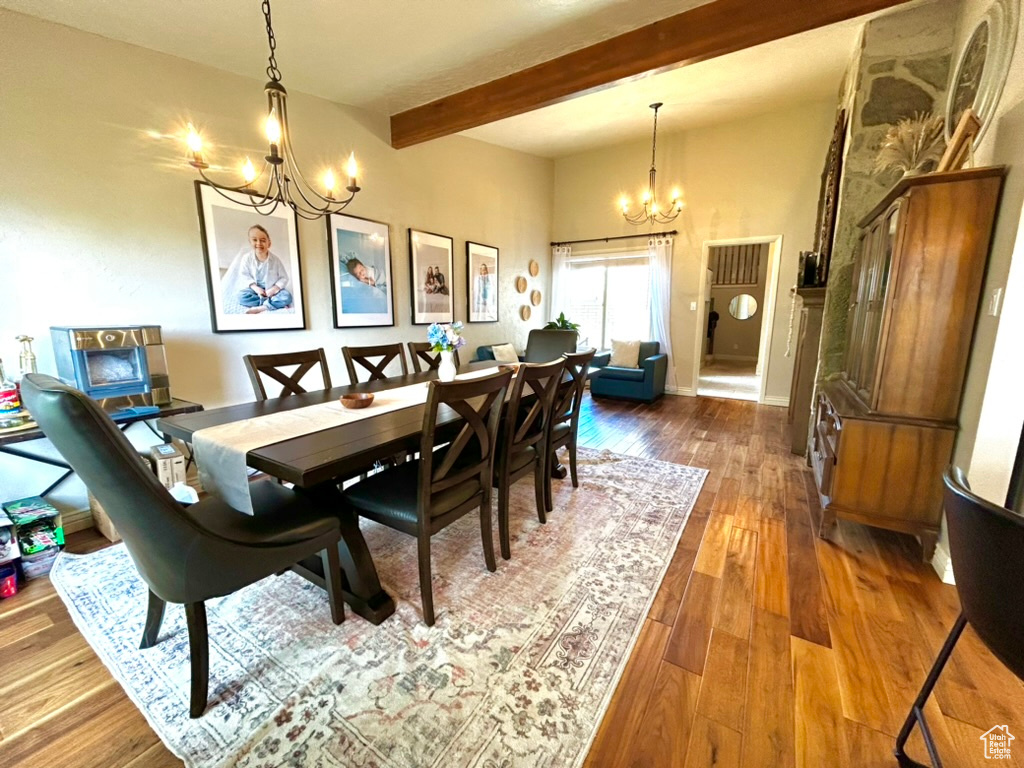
[[610, 297]]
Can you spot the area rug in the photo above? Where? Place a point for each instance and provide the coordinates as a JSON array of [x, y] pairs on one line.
[[517, 671]]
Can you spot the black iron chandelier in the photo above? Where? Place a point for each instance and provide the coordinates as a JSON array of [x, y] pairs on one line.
[[650, 211], [279, 181]]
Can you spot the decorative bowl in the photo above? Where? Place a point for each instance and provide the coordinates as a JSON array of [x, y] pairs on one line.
[[357, 399], [514, 367]]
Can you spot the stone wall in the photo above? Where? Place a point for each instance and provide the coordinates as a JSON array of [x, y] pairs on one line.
[[900, 68]]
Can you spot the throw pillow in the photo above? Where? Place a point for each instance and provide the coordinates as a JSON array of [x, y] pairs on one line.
[[625, 354], [506, 353]]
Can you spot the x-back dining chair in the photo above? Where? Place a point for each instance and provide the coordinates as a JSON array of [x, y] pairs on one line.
[[184, 555], [269, 366], [420, 351], [986, 545], [522, 441], [374, 359], [424, 496], [565, 423]]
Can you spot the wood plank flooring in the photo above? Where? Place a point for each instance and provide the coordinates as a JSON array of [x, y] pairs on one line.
[[765, 647]]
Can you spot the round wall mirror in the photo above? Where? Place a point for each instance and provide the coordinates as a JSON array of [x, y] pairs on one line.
[[743, 307]]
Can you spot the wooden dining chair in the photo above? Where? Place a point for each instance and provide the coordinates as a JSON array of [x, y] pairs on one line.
[[420, 351], [565, 423], [365, 356], [269, 366], [424, 496], [522, 440]]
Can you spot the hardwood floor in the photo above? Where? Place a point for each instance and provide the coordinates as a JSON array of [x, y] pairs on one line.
[[765, 646]]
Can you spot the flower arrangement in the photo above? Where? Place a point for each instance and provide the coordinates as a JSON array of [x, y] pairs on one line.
[[445, 337], [913, 145]]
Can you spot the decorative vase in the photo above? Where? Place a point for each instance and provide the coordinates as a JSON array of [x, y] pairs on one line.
[[446, 371]]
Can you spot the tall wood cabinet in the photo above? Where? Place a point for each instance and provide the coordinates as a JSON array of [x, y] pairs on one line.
[[884, 429]]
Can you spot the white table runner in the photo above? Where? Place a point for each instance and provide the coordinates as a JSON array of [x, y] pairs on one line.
[[220, 451]]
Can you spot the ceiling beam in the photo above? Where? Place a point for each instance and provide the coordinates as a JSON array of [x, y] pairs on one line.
[[704, 32]]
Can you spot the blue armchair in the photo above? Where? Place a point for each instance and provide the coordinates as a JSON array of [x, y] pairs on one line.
[[646, 383]]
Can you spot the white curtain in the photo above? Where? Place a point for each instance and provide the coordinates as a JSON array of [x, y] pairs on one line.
[[560, 255], [660, 249]]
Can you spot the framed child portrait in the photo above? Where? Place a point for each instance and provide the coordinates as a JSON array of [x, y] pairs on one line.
[[252, 265], [482, 282], [430, 270], [360, 252]]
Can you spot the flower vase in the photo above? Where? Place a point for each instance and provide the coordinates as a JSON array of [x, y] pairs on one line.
[[446, 371]]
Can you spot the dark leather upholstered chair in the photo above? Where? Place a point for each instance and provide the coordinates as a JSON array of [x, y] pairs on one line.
[[565, 421], [544, 346], [269, 366], [424, 496], [522, 441], [185, 555], [421, 351], [986, 545], [384, 354]]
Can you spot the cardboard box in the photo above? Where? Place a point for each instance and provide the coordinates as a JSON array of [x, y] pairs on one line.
[[101, 522], [168, 463]]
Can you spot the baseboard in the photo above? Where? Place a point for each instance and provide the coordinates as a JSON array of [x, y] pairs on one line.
[[776, 400], [744, 358], [681, 391], [943, 564]]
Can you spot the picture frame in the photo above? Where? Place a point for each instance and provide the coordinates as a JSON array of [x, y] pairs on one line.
[[362, 291], [482, 273], [430, 277], [234, 236]]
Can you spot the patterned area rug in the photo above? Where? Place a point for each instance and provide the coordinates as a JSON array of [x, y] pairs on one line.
[[517, 671]]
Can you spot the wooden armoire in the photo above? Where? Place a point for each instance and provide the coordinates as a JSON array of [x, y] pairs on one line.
[[884, 430]]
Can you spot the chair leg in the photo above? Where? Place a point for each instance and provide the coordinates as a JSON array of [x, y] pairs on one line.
[[548, 465], [154, 618], [332, 578], [199, 654], [917, 709], [540, 491], [572, 463], [503, 535], [487, 533], [426, 590]]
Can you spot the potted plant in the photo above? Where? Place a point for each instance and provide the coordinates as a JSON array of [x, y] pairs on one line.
[[562, 324], [912, 146]]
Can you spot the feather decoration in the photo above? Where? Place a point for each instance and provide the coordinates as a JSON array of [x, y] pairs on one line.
[[913, 145]]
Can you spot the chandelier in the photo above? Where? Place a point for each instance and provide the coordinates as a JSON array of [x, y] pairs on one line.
[[651, 212], [279, 181]]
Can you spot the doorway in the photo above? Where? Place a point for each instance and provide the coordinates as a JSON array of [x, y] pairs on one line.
[[738, 285]]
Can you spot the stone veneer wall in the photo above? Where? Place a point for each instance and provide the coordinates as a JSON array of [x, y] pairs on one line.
[[901, 68]]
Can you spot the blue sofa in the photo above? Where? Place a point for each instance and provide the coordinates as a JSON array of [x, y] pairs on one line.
[[646, 383]]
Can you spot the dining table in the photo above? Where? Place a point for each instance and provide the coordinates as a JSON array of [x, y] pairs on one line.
[[315, 463]]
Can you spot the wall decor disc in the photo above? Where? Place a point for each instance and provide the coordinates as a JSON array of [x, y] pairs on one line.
[[535, 298], [524, 312], [534, 268], [520, 284]]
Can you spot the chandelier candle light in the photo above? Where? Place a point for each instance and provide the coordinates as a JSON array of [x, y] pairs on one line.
[[281, 181], [445, 339], [651, 212]]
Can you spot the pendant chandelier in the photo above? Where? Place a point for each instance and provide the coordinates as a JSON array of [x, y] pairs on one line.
[[651, 211], [279, 181]]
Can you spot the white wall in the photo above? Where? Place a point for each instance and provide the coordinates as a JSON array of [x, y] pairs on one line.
[[98, 221], [756, 177]]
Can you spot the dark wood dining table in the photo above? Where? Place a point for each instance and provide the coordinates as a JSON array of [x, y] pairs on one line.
[[316, 462]]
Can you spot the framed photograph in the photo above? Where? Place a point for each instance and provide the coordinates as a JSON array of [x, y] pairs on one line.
[[482, 282], [430, 273], [360, 271], [252, 265]]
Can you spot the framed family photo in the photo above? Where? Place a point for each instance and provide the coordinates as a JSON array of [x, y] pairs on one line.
[[360, 271], [482, 282], [252, 265], [430, 271]]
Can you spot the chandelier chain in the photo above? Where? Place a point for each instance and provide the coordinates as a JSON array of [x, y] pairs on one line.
[[272, 71], [654, 139]]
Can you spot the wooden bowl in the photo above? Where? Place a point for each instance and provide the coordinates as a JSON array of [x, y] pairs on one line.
[[514, 367], [357, 399]]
